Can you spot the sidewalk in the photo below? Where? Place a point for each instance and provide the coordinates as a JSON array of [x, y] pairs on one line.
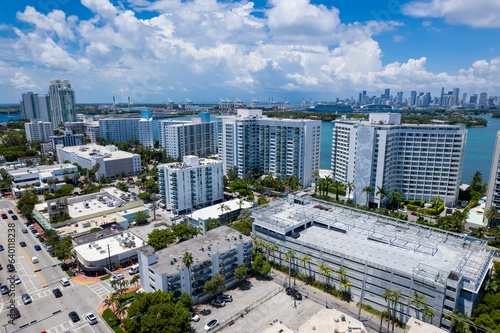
[[371, 322], [82, 278]]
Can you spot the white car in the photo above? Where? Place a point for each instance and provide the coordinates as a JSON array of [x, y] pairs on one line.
[[91, 318], [17, 280], [34, 260], [211, 325], [117, 277], [194, 316]]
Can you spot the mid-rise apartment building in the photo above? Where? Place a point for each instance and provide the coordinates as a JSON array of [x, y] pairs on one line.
[[424, 161], [194, 183], [182, 138], [111, 160], [68, 139], [377, 252], [221, 250], [493, 195], [128, 129], [88, 127], [281, 147], [38, 131], [62, 102]]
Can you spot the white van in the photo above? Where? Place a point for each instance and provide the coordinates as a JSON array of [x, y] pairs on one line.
[[64, 282], [134, 269], [34, 260]]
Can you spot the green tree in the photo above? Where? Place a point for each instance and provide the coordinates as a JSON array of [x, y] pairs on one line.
[[418, 300], [215, 285], [349, 186], [476, 183], [262, 200], [245, 215], [337, 186], [368, 190], [64, 249], [396, 297], [306, 259], [186, 301], [289, 256], [241, 272], [260, 266], [27, 203], [187, 259], [428, 313], [492, 214], [325, 271], [388, 296], [135, 280], [122, 186], [160, 238], [212, 224], [381, 193], [141, 218], [145, 196], [245, 227]]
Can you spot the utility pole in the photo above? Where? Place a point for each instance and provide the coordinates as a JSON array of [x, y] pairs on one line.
[[109, 257]]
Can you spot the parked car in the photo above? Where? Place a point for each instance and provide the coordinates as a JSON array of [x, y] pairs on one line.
[[57, 293], [14, 217], [117, 277], [10, 211], [23, 244], [14, 313], [17, 280], [74, 316], [10, 268], [25, 231], [294, 293], [91, 318], [194, 316], [5, 289], [1, 247], [34, 260], [218, 303], [4, 216], [26, 299], [226, 298], [211, 325]]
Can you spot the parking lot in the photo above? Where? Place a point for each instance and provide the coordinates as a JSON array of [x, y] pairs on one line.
[[279, 307]]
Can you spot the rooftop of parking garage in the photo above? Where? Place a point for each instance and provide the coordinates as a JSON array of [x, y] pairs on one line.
[[400, 245], [202, 248]]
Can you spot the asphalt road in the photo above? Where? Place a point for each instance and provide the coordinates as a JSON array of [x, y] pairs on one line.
[[79, 297]]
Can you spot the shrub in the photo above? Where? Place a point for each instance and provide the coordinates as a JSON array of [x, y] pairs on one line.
[[105, 277], [70, 273], [411, 207]]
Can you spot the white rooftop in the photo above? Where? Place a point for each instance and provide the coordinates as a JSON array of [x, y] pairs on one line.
[[397, 244], [89, 151], [327, 320], [39, 169], [418, 326], [118, 244], [213, 212]]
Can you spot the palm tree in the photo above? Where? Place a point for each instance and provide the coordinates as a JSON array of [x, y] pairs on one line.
[[382, 193], [368, 190], [316, 176], [289, 256], [223, 208], [396, 297], [240, 203], [428, 313], [258, 242], [491, 214], [337, 186], [187, 259], [135, 280], [349, 186], [387, 295], [328, 182], [76, 177], [50, 182], [305, 260], [417, 299], [480, 233], [271, 249], [459, 322], [344, 281], [324, 270]]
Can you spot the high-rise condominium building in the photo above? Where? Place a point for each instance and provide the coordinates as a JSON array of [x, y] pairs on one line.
[[182, 138], [128, 129], [194, 183], [493, 195], [67, 140], [29, 106], [38, 131], [62, 101], [252, 142], [424, 161]]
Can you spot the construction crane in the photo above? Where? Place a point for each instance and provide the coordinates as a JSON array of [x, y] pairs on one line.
[[170, 104], [187, 104], [253, 101], [304, 105], [237, 103]]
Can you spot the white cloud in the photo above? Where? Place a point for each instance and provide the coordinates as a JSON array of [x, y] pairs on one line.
[[208, 49], [24, 82], [477, 14], [398, 38]]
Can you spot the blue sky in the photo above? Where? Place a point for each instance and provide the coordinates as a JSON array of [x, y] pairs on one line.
[[208, 49]]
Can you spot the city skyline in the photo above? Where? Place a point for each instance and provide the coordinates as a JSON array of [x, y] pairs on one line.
[[152, 51]]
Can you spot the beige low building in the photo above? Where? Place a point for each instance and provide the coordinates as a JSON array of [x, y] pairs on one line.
[[418, 326], [332, 321], [278, 328]]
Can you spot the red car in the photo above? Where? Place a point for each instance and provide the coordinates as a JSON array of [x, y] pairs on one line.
[[4, 216]]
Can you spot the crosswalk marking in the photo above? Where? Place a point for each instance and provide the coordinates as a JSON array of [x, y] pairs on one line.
[[99, 289]]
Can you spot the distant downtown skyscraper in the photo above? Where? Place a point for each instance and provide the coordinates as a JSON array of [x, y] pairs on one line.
[[62, 102]]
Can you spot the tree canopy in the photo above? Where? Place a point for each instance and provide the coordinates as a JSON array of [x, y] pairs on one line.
[[141, 218], [215, 285]]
